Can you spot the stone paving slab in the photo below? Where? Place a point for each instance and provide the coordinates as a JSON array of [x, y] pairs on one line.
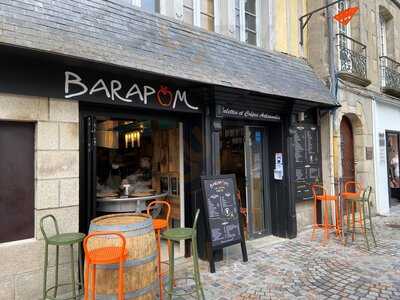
[[305, 269]]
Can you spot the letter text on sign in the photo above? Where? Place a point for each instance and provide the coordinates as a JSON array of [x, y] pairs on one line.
[[76, 81]]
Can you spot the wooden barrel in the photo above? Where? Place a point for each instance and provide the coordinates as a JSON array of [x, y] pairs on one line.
[[141, 264]]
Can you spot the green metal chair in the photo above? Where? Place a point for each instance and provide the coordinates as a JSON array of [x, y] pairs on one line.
[[366, 226], [177, 235], [58, 240]]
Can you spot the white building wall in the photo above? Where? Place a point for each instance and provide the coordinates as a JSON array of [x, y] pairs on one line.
[[387, 118]]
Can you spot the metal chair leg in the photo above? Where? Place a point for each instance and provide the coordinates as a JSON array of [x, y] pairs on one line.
[[347, 222], [159, 263], [121, 281], [80, 268], [199, 287], [56, 271], [365, 226], [353, 231], [94, 282], [171, 271], [315, 220], [370, 223], [86, 280], [73, 273], [46, 256]]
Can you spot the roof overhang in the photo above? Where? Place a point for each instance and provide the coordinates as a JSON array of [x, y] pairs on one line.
[[114, 34]]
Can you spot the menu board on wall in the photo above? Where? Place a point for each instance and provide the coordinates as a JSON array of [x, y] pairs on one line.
[[222, 214], [307, 160]]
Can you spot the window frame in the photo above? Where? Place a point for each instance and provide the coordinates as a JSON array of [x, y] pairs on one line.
[[200, 12], [344, 29], [243, 29], [189, 8], [139, 3], [197, 13], [383, 36]]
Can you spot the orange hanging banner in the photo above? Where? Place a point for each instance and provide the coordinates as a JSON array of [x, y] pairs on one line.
[[345, 16]]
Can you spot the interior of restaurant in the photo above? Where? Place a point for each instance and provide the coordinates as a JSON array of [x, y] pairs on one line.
[[138, 161], [243, 154]]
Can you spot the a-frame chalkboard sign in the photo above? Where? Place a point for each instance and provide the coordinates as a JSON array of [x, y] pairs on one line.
[[223, 222]]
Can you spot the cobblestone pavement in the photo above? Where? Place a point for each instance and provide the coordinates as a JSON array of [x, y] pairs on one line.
[[305, 269]]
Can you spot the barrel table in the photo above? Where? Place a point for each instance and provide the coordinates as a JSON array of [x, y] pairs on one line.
[[141, 264]]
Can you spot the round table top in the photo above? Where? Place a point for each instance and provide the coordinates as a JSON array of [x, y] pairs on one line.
[[130, 199]]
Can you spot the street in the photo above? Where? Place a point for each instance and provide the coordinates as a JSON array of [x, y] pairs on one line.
[[305, 269]]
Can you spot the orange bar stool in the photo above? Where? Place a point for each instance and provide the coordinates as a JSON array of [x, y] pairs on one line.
[[108, 255], [353, 194], [243, 210], [160, 224], [326, 200]]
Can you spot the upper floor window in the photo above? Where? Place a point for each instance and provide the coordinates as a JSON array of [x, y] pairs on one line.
[[246, 21], [383, 35], [188, 11], [199, 13], [152, 6], [207, 14], [386, 33], [344, 29]]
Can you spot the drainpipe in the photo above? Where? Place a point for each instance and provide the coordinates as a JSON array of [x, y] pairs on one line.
[[333, 89]]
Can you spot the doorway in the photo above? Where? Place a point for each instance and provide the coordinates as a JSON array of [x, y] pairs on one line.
[[244, 152], [129, 161], [347, 151]]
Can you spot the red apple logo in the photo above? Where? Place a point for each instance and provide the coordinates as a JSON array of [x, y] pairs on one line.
[[164, 96]]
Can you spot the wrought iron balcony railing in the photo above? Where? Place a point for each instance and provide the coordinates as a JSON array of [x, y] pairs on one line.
[[352, 56], [390, 76]]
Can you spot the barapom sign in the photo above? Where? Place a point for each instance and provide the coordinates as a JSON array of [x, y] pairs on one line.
[[96, 83]]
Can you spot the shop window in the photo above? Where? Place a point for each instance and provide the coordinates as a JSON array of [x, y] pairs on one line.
[[246, 21], [16, 181]]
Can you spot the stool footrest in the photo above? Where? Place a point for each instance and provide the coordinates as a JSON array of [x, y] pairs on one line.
[[77, 285], [181, 294]]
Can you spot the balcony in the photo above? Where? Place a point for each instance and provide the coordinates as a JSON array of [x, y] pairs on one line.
[[352, 60], [390, 76]]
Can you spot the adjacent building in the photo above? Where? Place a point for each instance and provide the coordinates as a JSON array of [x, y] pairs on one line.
[[360, 64]]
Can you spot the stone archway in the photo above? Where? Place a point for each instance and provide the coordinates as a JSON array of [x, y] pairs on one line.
[[347, 150], [352, 148]]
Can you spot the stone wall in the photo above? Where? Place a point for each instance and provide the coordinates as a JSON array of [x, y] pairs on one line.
[[56, 190], [304, 215]]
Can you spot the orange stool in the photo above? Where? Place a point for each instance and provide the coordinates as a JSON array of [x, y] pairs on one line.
[[160, 224], [243, 210], [349, 195], [325, 201], [104, 256]]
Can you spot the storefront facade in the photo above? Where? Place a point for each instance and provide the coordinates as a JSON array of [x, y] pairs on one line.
[[78, 113]]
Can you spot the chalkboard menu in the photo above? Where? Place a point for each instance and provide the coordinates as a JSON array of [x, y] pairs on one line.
[[307, 160], [222, 213]]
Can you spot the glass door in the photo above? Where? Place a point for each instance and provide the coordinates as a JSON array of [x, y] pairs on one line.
[[257, 202]]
